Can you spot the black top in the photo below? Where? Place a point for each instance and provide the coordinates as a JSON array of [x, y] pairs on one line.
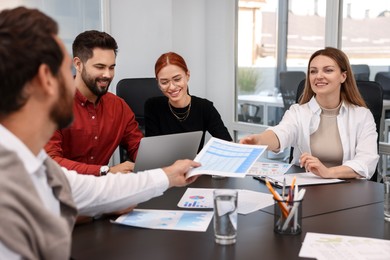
[[203, 116]]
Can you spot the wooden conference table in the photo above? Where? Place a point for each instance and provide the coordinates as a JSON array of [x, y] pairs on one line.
[[352, 208]]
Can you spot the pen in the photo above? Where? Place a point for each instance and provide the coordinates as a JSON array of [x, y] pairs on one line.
[[282, 205], [284, 187], [291, 193], [300, 150], [272, 181], [294, 208], [296, 213]]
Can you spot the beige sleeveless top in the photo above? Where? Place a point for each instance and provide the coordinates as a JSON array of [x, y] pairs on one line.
[[325, 143]]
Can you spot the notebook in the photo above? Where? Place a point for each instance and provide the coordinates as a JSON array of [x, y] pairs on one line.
[[163, 150]]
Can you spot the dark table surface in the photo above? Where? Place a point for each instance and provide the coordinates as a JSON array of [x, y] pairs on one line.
[[350, 208]]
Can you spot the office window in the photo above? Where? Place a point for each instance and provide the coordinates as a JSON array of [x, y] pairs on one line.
[[260, 55], [306, 31], [256, 61], [366, 33], [73, 16]]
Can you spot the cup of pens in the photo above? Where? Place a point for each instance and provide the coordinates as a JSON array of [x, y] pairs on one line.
[[288, 215]]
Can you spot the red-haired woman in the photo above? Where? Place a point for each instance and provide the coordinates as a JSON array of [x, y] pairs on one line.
[[178, 111]]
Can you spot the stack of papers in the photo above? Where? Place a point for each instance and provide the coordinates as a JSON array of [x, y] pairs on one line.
[[248, 201], [302, 179], [326, 246]]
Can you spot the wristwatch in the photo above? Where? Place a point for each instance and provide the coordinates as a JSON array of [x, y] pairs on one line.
[[104, 170]]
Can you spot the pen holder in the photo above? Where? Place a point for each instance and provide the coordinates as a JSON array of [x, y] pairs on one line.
[[288, 216]]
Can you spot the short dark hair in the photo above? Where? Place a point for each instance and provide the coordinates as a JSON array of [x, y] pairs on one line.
[[85, 42], [26, 41]]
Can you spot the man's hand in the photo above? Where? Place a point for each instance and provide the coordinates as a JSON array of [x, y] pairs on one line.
[[176, 173], [121, 212], [124, 167]]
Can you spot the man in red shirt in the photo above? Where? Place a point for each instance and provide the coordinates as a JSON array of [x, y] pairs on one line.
[[102, 120]]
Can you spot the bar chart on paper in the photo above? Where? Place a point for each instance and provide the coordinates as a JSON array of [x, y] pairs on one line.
[[197, 198], [195, 202], [224, 158]]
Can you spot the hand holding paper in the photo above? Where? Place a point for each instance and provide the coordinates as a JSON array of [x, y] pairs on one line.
[[223, 158]]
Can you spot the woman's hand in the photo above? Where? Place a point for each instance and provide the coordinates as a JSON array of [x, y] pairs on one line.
[[314, 165]]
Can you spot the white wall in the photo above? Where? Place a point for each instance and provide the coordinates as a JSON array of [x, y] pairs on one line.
[[202, 31], [220, 56], [143, 30]]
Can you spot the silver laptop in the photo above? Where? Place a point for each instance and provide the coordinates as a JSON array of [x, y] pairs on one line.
[[163, 150]]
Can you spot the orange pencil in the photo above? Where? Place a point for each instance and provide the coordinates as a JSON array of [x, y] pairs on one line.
[[282, 206], [293, 182], [291, 188]]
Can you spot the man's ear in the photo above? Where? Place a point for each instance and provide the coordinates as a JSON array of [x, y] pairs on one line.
[[77, 64], [46, 80]]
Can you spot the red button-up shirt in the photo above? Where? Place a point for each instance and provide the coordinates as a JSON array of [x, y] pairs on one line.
[[95, 134]]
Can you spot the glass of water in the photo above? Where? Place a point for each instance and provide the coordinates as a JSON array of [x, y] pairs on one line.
[[225, 216]]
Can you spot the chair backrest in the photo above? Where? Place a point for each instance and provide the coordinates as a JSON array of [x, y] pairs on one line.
[[383, 78], [289, 81], [361, 71], [372, 94], [135, 91]]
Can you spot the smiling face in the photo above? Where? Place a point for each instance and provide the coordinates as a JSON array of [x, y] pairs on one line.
[[173, 82], [98, 71], [326, 77]]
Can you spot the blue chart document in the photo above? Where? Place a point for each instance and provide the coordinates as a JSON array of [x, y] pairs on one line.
[[219, 157], [167, 219], [248, 201]]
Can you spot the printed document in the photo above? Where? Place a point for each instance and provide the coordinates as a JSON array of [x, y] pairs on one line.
[[223, 158], [167, 219], [302, 179], [329, 247], [248, 201], [269, 168]]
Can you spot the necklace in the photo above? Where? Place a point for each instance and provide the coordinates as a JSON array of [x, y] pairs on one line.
[[181, 116]]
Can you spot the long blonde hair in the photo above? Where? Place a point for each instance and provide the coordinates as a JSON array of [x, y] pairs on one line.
[[348, 91]]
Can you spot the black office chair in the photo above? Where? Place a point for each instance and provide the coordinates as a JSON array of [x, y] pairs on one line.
[[361, 71], [135, 91], [383, 78], [289, 81], [372, 94]]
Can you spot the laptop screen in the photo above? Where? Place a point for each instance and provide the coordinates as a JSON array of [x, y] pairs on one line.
[[163, 150]]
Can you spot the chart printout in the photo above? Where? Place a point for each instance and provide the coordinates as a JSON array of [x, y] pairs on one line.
[[219, 157], [167, 219]]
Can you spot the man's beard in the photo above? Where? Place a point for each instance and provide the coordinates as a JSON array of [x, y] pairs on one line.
[[62, 112], [91, 83]]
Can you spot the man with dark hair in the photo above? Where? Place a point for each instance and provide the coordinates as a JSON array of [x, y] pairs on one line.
[[39, 200], [102, 120]]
